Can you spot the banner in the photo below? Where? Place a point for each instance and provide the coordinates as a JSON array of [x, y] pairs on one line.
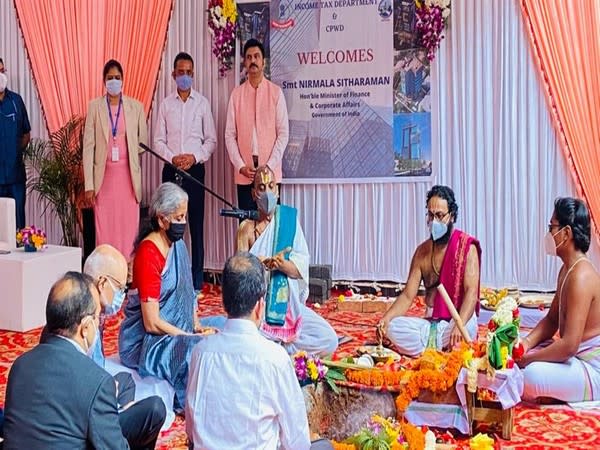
[[355, 84]]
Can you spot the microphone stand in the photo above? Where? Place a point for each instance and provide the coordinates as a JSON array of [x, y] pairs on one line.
[[186, 175]]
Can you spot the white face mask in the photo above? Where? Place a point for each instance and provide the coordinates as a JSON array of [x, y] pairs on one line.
[[549, 244], [3, 82], [113, 87]]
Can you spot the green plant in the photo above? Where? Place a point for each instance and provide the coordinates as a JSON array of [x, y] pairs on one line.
[[55, 173]]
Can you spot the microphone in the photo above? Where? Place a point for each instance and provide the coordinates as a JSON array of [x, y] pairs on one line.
[[240, 214]]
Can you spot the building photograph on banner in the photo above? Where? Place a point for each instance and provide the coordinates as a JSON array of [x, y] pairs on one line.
[[412, 97], [334, 62]]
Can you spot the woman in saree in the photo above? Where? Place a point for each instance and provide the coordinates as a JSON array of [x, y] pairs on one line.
[[161, 324]]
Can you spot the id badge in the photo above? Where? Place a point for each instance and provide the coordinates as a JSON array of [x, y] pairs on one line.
[[115, 154]]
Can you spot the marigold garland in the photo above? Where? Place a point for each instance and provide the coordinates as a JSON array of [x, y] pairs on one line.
[[341, 446], [426, 376], [413, 436], [375, 377]]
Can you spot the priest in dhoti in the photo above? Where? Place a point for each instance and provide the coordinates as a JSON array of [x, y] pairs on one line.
[[276, 238], [567, 367], [449, 257]]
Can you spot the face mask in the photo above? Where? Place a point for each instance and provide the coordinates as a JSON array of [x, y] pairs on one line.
[[549, 243], [184, 82], [266, 202], [175, 231], [3, 82], [113, 87], [438, 229], [90, 347], [118, 297]]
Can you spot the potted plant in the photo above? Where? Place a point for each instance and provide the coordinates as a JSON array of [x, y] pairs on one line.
[[55, 173]]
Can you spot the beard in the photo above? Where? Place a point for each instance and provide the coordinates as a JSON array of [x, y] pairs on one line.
[[446, 237]]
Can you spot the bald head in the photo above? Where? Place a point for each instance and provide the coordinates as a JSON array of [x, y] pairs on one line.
[[106, 260], [263, 176], [71, 298]]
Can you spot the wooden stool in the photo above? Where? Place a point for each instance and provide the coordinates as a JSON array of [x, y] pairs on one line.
[[489, 412]]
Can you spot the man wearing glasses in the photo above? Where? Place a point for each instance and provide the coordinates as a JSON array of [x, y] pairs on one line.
[[140, 421], [56, 397], [449, 257], [562, 353], [14, 137]]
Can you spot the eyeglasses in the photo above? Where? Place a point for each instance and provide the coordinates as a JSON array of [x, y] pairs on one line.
[[437, 215], [119, 287], [552, 225]]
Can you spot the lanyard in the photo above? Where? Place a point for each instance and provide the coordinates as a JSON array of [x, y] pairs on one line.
[[114, 123]]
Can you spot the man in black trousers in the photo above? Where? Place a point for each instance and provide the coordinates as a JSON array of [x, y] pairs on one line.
[[185, 135]]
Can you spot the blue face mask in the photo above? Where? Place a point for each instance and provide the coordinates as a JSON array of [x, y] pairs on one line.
[[184, 82], [266, 202], [117, 301], [438, 229]]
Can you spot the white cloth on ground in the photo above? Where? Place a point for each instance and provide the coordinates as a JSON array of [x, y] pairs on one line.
[[411, 334], [315, 335], [575, 380], [146, 387], [243, 393]]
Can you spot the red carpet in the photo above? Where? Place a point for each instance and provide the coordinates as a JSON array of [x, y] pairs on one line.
[[535, 427]]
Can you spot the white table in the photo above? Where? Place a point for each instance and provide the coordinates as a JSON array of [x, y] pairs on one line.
[[25, 281]]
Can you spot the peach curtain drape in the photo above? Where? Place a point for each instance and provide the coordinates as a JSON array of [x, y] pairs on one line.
[[68, 42], [565, 38]]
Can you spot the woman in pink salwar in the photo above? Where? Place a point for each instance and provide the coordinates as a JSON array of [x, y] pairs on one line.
[[114, 127]]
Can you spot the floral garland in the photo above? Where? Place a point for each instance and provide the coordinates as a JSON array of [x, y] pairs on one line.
[[376, 377], [222, 25], [432, 17], [503, 346], [438, 376]]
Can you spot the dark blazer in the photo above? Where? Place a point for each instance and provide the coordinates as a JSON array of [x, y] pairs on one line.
[[58, 398]]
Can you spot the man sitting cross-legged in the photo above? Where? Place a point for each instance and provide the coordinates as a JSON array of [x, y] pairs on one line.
[[276, 238], [568, 367], [450, 257], [242, 391]]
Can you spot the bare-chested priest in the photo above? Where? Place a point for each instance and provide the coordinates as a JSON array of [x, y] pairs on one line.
[[276, 238], [568, 367], [450, 257]]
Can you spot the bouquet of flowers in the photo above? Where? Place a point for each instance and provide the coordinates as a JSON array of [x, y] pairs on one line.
[[310, 369], [222, 16], [432, 16], [503, 333], [382, 433], [31, 238]]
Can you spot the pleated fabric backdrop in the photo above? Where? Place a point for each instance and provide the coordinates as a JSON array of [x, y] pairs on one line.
[[497, 149]]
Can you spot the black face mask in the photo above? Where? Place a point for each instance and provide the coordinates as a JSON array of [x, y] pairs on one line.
[[175, 231]]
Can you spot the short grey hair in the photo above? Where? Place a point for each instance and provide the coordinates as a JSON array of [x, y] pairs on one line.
[[167, 198]]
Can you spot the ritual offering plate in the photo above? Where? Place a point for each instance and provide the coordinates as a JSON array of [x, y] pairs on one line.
[[536, 300], [379, 354]]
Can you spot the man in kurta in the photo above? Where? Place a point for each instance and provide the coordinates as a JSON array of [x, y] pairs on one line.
[[567, 367], [257, 128], [276, 238], [449, 257]]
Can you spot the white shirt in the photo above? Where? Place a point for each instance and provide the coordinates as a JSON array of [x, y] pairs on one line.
[[185, 127], [282, 131], [243, 394]]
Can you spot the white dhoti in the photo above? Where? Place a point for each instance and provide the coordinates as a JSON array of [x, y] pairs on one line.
[[575, 380], [310, 332], [410, 335]]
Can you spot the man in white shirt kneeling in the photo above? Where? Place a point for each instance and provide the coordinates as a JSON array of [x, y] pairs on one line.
[[242, 391]]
